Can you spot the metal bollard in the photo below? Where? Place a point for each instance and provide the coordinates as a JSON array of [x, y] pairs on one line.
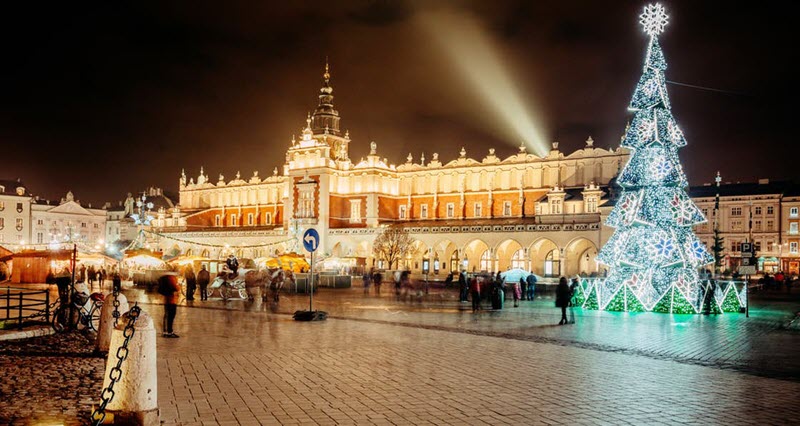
[[135, 395], [107, 320]]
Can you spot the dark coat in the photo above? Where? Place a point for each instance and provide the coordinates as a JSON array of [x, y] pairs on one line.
[[203, 278], [563, 295]]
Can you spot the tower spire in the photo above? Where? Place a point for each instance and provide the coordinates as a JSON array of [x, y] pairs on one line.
[[325, 116]]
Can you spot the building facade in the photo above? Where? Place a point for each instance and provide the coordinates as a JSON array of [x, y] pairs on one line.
[[67, 221], [15, 214], [479, 214], [762, 213]]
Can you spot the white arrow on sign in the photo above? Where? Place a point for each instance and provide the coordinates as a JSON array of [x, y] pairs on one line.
[[311, 240]]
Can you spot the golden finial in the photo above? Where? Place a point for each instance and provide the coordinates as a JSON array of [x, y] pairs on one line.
[[327, 75]]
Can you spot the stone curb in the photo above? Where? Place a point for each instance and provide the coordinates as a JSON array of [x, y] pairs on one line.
[[25, 334]]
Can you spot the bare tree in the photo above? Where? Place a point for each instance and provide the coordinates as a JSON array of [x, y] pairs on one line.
[[393, 244]]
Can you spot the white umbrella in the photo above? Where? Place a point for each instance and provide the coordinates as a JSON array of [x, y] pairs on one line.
[[514, 275]]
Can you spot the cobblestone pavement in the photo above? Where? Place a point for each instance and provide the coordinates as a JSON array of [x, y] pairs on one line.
[[757, 345], [385, 361], [49, 380], [233, 367]]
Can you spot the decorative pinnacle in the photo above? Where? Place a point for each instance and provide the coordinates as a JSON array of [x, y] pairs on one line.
[[327, 75], [654, 19], [718, 179]]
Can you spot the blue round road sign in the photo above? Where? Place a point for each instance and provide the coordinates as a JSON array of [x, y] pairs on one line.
[[311, 240]]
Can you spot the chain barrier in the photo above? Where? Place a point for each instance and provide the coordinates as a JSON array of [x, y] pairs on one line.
[[116, 313], [99, 415]]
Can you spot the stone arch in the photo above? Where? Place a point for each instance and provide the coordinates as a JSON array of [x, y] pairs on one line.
[[443, 252], [580, 257], [545, 258], [505, 251], [473, 252]]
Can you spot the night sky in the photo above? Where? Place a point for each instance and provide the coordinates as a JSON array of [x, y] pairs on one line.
[[107, 98]]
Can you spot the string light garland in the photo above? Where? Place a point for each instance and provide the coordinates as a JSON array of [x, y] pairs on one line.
[[180, 240]]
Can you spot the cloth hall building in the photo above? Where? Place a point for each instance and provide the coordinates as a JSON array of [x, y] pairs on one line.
[[480, 214]]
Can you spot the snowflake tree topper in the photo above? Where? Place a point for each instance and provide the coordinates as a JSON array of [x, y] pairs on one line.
[[654, 19]]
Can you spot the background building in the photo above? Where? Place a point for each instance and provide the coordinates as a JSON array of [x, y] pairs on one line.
[[15, 214], [540, 213], [67, 221]]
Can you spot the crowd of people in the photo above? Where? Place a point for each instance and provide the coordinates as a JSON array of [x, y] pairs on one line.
[[778, 281]]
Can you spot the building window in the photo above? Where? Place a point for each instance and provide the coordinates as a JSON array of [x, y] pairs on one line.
[[268, 218], [478, 210], [770, 210], [20, 223], [486, 261], [2, 223], [451, 210], [756, 225], [736, 225], [757, 246], [555, 206], [402, 214], [770, 225], [736, 246], [355, 211], [83, 224], [39, 238], [454, 261], [591, 205], [2, 205], [793, 247], [19, 207], [506, 208], [518, 259], [95, 226], [250, 219], [40, 222], [736, 211], [792, 212], [757, 211], [217, 221], [233, 220], [705, 212], [793, 228], [306, 202], [423, 211]]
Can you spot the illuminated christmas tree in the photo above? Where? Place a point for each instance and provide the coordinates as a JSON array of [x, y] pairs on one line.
[[653, 256]]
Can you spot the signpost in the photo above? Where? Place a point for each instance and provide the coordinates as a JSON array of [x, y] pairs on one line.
[[747, 268], [311, 244]]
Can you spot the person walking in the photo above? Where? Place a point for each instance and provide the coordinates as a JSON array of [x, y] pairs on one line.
[[463, 287], [191, 282], [572, 302], [169, 288], [365, 281], [531, 281], [709, 304], [377, 279], [562, 299], [203, 278], [523, 285], [91, 275], [101, 277], [475, 290]]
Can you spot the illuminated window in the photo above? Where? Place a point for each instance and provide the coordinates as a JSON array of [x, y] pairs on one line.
[[770, 210], [39, 238], [2, 205], [792, 212], [756, 225], [793, 247], [454, 261], [355, 211], [518, 259], [423, 211], [478, 210], [486, 261], [736, 225], [793, 228], [20, 223], [402, 214], [506, 208], [770, 225], [451, 210]]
